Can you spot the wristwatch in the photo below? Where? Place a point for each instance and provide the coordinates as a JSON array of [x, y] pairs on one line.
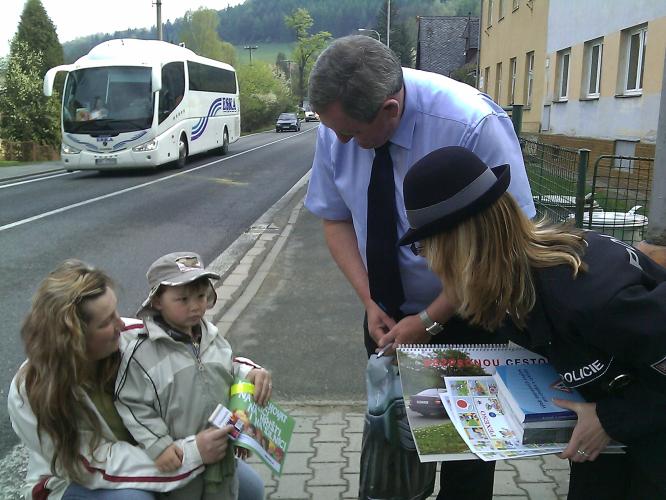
[[432, 327]]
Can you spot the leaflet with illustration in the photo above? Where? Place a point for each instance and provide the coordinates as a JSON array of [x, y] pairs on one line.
[[423, 369], [266, 430], [486, 423]]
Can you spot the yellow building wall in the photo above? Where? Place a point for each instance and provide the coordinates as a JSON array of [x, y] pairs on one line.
[[520, 31]]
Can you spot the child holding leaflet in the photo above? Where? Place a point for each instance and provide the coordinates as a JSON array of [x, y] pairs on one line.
[[177, 369]]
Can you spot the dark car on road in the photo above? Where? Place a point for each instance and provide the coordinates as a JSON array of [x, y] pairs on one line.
[[428, 403], [288, 121]]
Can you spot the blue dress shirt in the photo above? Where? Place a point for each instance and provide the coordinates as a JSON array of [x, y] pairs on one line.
[[438, 112]]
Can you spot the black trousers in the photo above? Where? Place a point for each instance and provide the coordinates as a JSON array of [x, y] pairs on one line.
[[637, 474], [460, 479]]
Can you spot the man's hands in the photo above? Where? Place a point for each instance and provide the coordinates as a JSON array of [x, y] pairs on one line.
[[589, 438], [263, 385], [384, 330], [213, 443], [170, 459]]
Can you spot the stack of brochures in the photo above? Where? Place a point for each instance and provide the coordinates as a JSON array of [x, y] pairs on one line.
[[457, 411], [527, 392]]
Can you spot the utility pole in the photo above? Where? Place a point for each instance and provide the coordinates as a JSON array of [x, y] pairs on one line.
[[388, 22], [654, 245], [158, 4], [656, 233], [250, 48]]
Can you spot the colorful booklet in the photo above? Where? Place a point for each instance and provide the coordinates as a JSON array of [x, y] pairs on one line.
[[423, 369], [485, 423], [265, 430]]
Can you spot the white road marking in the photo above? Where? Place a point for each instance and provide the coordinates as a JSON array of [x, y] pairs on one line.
[[43, 215]]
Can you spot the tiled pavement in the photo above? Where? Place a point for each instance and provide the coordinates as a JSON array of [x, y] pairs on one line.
[[323, 462]]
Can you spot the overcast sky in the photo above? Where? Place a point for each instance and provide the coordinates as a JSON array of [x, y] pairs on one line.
[[75, 18]]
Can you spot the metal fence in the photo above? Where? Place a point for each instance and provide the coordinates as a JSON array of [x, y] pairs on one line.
[[614, 200], [622, 186]]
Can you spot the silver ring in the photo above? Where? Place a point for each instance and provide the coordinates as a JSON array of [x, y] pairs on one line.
[[581, 452]]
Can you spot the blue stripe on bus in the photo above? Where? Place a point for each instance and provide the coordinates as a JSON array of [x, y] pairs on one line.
[[121, 144], [200, 127]]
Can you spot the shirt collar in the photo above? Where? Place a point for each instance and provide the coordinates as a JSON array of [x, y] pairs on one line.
[[405, 132]]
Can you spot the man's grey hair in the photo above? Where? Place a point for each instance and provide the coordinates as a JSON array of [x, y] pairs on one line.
[[357, 71]]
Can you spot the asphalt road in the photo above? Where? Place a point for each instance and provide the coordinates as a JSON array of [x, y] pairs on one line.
[[122, 221]]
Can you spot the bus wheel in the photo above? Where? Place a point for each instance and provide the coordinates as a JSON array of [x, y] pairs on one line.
[[225, 142], [182, 152]]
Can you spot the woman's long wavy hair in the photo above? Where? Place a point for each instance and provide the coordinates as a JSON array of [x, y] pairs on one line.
[[486, 261], [58, 366]]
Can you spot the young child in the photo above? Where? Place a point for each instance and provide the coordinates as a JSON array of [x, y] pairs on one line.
[[175, 372]]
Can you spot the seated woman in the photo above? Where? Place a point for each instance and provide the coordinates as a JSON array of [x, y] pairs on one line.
[[595, 306], [60, 401]]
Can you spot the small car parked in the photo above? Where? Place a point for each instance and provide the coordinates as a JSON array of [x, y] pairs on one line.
[[428, 403], [288, 121]]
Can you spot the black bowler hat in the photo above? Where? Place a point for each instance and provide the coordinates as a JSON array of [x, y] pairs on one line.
[[446, 187]]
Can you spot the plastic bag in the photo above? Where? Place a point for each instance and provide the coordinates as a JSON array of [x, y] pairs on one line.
[[390, 466]]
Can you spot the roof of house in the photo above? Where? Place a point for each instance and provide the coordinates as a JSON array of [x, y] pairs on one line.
[[445, 42]]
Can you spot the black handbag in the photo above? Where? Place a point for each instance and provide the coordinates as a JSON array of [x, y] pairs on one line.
[[390, 465]]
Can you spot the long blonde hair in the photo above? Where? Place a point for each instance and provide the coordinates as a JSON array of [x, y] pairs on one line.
[[58, 367], [485, 262]]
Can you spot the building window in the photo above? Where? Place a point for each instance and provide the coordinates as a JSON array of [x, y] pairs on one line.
[[501, 9], [490, 13], [516, 3], [592, 64], [512, 83], [486, 77], [529, 78], [634, 41], [563, 57], [498, 83]]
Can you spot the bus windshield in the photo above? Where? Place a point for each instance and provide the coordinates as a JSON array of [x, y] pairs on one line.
[[110, 99]]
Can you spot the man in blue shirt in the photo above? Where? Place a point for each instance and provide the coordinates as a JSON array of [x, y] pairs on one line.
[[364, 100]]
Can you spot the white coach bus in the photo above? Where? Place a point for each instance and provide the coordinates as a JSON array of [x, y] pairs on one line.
[[142, 103]]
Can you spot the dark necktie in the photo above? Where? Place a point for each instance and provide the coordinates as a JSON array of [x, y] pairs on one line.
[[381, 250]]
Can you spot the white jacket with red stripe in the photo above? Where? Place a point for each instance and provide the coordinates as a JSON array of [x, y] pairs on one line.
[[113, 464]]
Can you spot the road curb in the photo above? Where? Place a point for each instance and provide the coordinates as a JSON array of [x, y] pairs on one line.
[[245, 263], [32, 175]]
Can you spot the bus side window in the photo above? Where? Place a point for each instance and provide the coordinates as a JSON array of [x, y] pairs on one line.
[[173, 88]]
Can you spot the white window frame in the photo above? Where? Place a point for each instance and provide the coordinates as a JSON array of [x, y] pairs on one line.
[[563, 72], [486, 77], [513, 68], [593, 74], [490, 13], [498, 82], [641, 33], [516, 3], [501, 9], [529, 78]]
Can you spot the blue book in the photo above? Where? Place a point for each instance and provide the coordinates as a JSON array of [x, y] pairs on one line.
[[529, 390]]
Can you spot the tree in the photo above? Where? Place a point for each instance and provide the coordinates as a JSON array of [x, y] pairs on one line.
[[199, 33], [307, 46], [400, 41], [262, 96], [28, 115], [38, 32]]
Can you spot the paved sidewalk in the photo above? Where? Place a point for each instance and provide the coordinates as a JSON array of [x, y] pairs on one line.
[[29, 169], [323, 462]]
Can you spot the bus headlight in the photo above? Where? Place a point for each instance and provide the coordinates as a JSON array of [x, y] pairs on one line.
[[146, 146], [69, 150]]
